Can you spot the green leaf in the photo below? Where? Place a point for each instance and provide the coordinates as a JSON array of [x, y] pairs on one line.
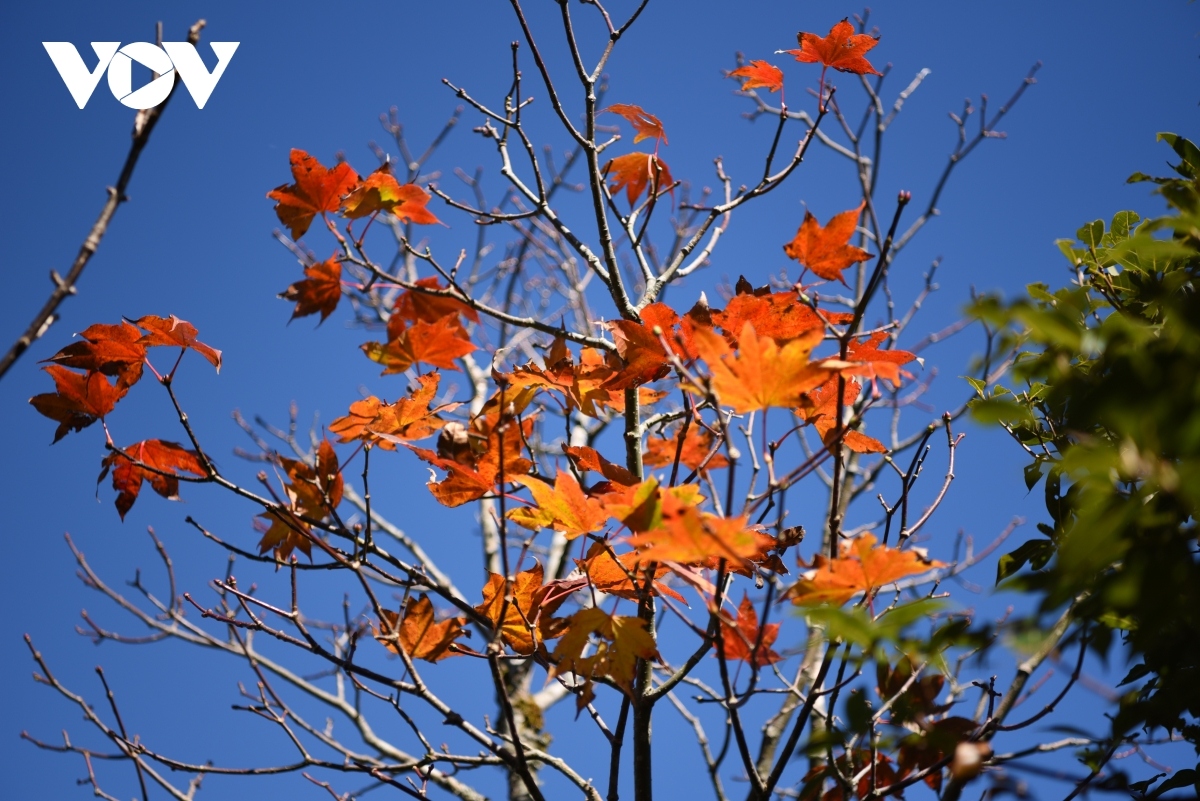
[[1040, 292], [1067, 246], [1123, 222], [1186, 151], [1115, 621], [992, 410], [1144, 785], [1091, 233], [858, 711], [1033, 473], [850, 625], [1037, 552], [1135, 673], [900, 617], [1187, 778]]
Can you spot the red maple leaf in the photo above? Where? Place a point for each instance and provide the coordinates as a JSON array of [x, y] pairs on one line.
[[319, 292], [641, 349], [437, 344], [668, 526], [80, 399], [472, 458], [114, 350], [312, 491], [779, 315], [744, 640], [633, 172], [759, 74], [317, 190], [381, 192], [827, 251], [878, 363], [179, 333], [765, 557], [824, 417], [645, 125], [842, 49], [153, 460], [413, 305]]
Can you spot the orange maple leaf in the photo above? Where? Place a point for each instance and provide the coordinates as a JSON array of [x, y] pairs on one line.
[[563, 507], [744, 640], [153, 460], [462, 484], [645, 125], [764, 558], [640, 506], [842, 49], [824, 416], [668, 525], [312, 491], [283, 531], [619, 642], [696, 447], [473, 464], [319, 485], [937, 741], [381, 192], [418, 633], [414, 305], [759, 74], [877, 363], [779, 315], [827, 251], [528, 616], [589, 460], [319, 292], [114, 350], [913, 700], [633, 172], [761, 374], [613, 575], [371, 420], [437, 344], [79, 399], [171, 331], [688, 536], [317, 190], [584, 385], [641, 349], [861, 566]]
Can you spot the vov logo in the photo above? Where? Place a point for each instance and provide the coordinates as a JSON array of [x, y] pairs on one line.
[[164, 61]]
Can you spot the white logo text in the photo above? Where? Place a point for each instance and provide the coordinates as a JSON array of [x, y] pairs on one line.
[[164, 61]]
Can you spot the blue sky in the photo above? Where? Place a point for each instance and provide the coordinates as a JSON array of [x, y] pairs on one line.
[[195, 241]]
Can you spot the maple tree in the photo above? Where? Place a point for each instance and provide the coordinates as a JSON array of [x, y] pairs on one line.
[[628, 463]]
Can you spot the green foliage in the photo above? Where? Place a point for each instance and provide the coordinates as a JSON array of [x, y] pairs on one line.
[[1105, 399]]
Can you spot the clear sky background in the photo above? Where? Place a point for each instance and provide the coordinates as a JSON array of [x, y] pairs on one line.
[[195, 241]]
